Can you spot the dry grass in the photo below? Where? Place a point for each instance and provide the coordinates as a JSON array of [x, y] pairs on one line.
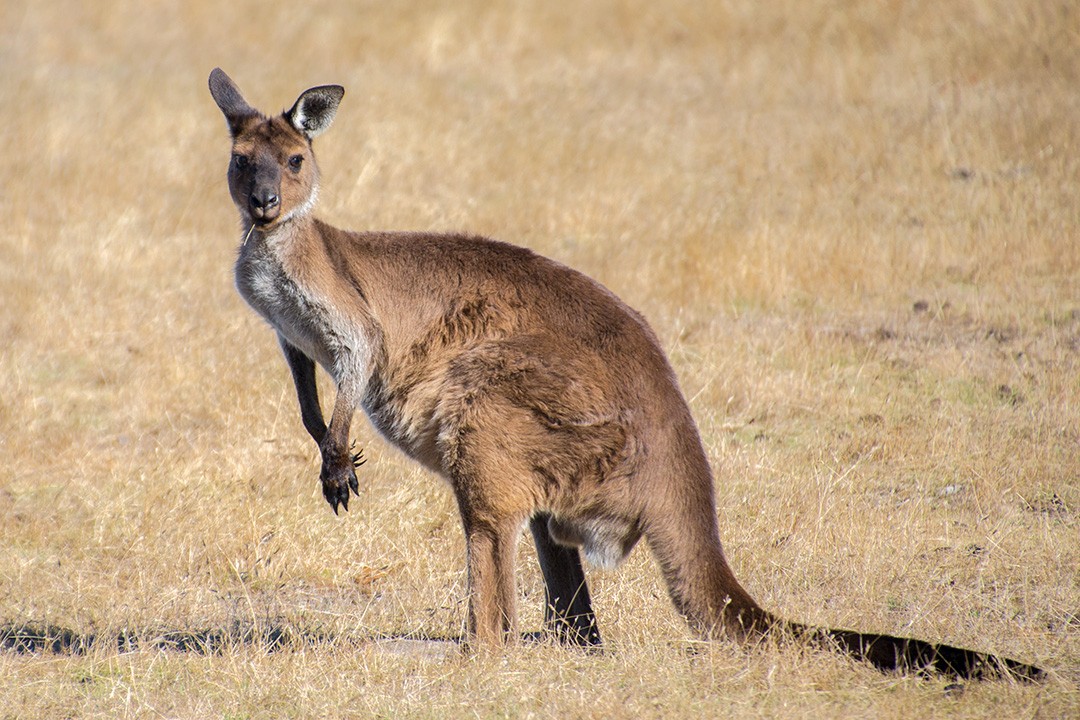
[[854, 228]]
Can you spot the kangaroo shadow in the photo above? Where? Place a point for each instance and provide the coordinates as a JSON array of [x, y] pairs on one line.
[[27, 638]]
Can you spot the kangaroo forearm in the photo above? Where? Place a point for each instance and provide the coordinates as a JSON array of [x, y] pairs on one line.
[[335, 442]]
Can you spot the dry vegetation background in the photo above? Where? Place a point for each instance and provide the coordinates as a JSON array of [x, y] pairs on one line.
[[853, 225]]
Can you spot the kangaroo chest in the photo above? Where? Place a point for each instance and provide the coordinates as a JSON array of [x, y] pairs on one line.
[[297, 313]]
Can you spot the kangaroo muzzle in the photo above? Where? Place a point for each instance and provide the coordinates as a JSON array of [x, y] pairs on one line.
[[264, 205], [264, 201]]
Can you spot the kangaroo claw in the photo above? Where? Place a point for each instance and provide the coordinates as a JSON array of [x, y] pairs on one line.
[[357, 457]]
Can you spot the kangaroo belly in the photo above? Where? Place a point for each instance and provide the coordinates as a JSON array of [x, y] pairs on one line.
[[404, 414]]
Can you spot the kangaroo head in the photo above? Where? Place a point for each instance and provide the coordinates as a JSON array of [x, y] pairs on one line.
[[273, 177]]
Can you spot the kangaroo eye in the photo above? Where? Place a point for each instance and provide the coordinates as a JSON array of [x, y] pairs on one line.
[[239, 161], [295, 162]]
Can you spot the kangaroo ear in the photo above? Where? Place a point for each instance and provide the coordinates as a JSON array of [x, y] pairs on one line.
[[228, 98], [315, 109]]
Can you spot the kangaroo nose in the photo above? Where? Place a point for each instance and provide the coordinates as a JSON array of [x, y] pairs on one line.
[[264, 200]]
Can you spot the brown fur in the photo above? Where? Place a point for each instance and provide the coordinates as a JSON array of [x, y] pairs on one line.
[[528, 386]]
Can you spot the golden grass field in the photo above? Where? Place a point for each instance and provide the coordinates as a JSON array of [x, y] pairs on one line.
[[854, 227]]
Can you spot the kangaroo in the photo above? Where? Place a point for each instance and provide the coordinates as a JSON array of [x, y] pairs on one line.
[[534, 391]]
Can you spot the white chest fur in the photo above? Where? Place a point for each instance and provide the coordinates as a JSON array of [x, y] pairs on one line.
[[301, 313]]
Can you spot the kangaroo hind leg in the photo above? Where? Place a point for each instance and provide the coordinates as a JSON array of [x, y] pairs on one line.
[[495, 499], [490, 550], [568, 612]]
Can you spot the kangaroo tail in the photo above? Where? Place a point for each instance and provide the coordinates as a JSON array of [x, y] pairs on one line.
[[891, 653], [681, 530]]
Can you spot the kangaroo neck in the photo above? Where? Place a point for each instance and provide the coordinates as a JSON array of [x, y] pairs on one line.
[[276, 237]]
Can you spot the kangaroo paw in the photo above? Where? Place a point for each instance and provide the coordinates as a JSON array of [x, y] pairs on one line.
[[338, 480]]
